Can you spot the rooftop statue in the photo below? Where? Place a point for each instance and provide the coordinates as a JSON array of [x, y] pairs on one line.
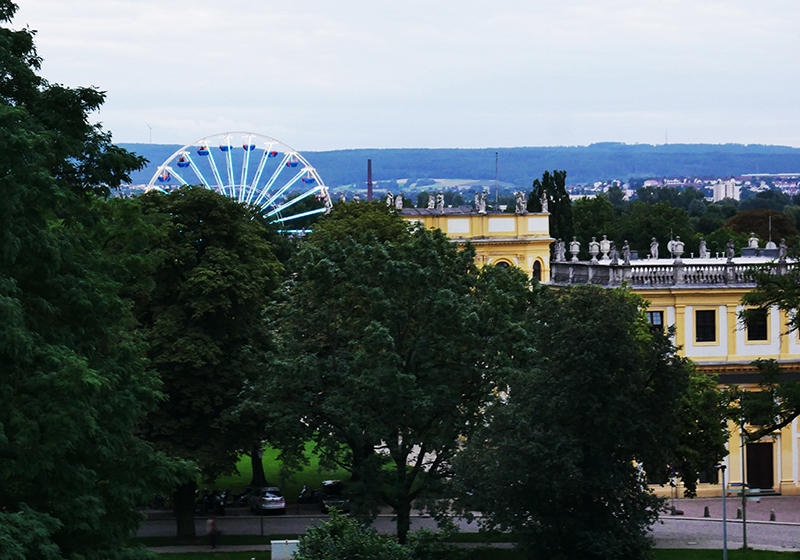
[[654, 249], [703, 249], [561, 251], [626, 253], [752, 242], [398, 201], [389, 199], [431, 201], [522, 202], [613, 253]]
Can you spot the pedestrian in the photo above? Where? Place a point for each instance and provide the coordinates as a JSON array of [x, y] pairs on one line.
[[213, 532]]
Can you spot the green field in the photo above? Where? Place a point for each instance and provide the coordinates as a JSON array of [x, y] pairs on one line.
[[311, 475]]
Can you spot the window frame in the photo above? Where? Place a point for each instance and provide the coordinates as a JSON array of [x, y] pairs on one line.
[[766, 339], [695, 325]]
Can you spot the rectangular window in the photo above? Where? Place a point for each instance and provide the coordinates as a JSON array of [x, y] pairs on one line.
[[656, 319], [756, 324], [705, 327]]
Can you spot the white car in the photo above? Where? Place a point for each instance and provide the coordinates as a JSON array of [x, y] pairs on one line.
[[267, 499]]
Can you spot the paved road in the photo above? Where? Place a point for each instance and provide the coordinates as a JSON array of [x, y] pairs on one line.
[[279, 525], [690, 530]]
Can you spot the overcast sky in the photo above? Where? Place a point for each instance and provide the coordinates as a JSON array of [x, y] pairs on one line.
[[338, 74]]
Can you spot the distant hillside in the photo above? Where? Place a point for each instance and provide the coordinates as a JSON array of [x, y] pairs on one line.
[[519, 166]]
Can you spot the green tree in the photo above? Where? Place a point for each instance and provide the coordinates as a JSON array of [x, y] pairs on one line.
[[593, 217], [660, 220], [556, 461], [342, 538], [385, 353], [616, 196], [73, 380], [717, 241], [764, 222], [553, 186], [772, 199], [204, 322]]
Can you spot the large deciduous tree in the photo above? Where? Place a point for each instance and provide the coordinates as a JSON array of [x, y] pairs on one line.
[[204, 321], [73, 381], [598, 396], [387, 364], [553, 186]]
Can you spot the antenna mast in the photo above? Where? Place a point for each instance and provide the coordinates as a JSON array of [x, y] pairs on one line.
[[496, 188]]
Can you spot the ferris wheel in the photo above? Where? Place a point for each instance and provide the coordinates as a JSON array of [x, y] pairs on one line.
[[256, 170]]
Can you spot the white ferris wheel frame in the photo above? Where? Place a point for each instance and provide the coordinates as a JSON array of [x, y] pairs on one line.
[[246, 190]]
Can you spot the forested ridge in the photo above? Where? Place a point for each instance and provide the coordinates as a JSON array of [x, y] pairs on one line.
[[520, 166]]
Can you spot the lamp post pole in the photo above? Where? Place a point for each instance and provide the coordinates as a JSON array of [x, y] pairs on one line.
[[261, 505], [724, 518]]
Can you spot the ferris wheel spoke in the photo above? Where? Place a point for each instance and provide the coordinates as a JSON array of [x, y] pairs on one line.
[[302, 215], [177, 175], [228, 149], [214, 170], [259, 171], [285, 188], [294, 201], [245, 168], [196, 169], [272, 179]]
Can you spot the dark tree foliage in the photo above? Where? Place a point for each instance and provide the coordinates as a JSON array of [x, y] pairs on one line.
[[73, 381], [385, 345], [597, 396], [660, 220], [553, 186], [593, 217], [205, 325], [341, 537], [764, 222], [680, 198], [772, 199]]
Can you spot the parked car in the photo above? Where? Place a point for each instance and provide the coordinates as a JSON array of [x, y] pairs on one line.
[[333, 495], [268, 499]]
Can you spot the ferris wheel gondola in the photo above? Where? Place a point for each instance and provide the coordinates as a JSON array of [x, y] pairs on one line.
[[289, 180]]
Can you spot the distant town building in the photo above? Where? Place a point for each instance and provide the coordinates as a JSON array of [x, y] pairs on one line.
[[725, 189]]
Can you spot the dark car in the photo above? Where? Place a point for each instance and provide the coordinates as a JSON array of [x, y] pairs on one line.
[[333, 495]]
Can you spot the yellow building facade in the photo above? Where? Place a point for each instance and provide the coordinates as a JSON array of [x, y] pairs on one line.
[[700, 298], [521, 240]]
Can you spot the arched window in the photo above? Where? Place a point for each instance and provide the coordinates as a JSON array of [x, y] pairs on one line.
[[502, 264], [537, 271]]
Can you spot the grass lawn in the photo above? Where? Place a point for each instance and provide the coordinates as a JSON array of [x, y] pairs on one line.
[[291, 487], [504, 554]]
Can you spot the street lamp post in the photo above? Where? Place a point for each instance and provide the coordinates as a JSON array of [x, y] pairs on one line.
[[260, 505], [724, 517]]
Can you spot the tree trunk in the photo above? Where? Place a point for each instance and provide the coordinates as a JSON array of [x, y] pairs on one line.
[[259, 480], [403, 512], [184, 511]]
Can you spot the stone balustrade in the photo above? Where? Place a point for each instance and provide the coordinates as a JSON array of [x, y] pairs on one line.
[[658, 274]]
